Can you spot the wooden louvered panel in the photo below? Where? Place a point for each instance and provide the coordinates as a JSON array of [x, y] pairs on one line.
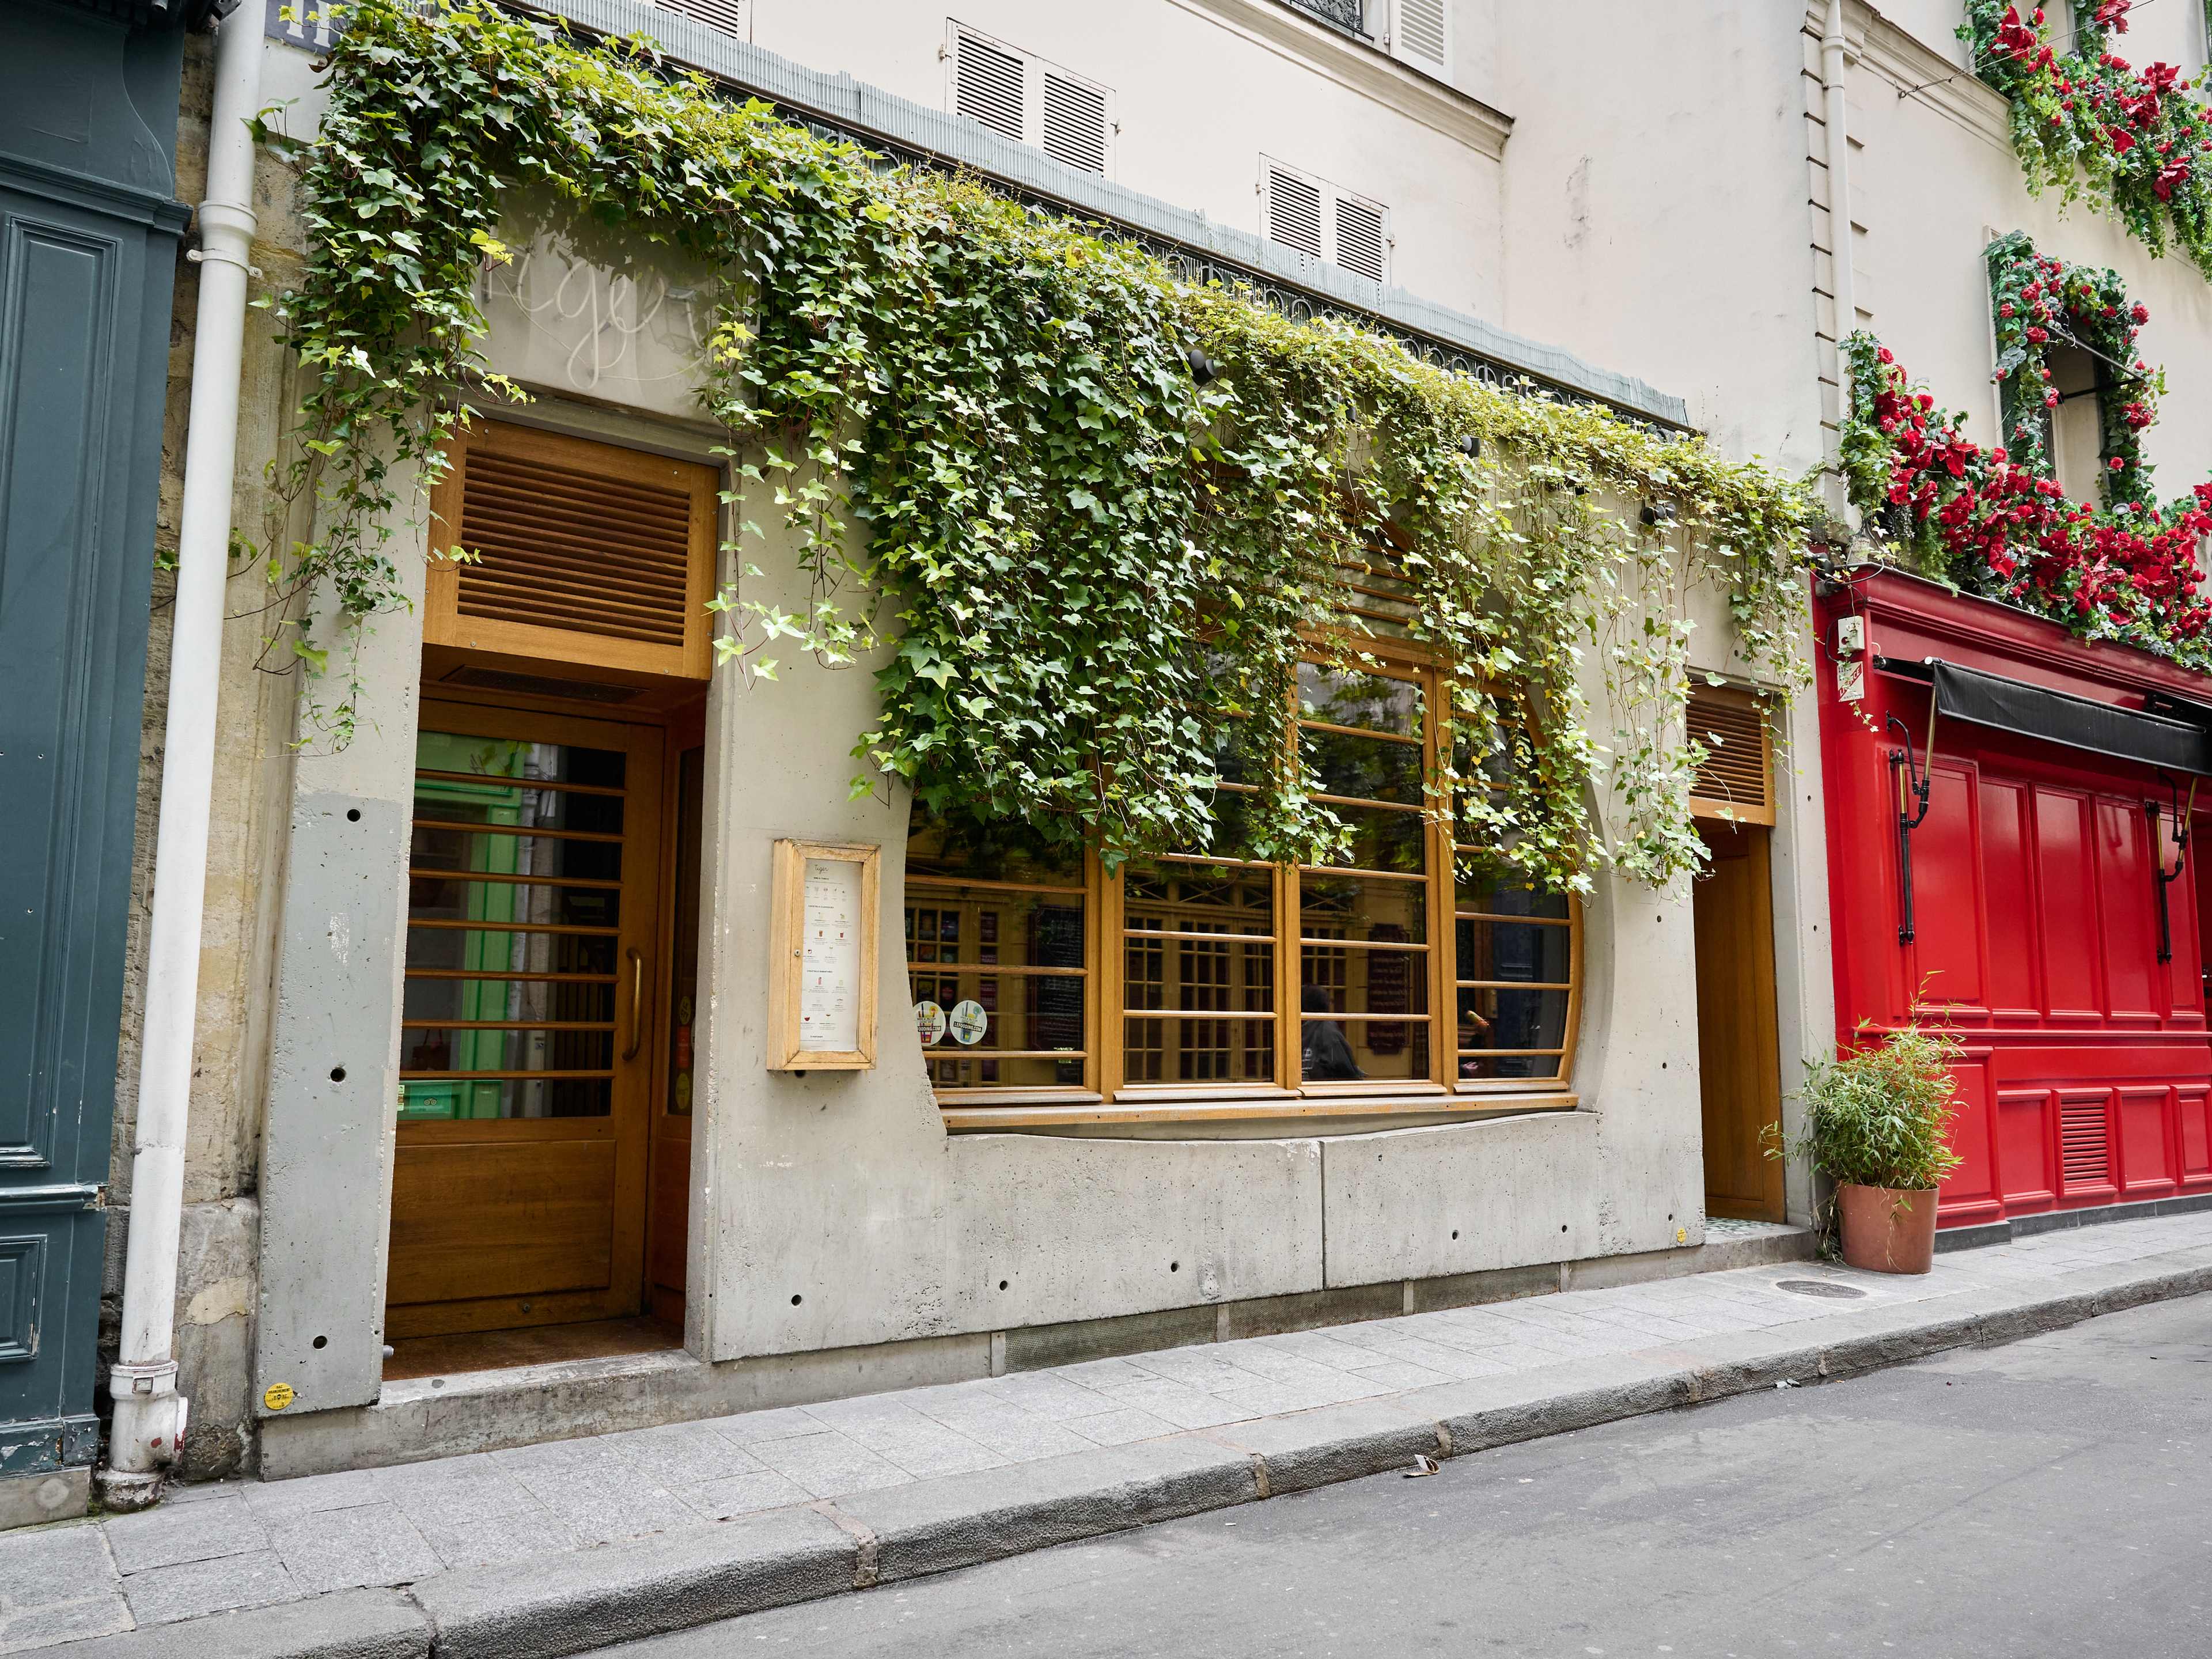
[[1362, 243], [579, 552], [1735, 780]]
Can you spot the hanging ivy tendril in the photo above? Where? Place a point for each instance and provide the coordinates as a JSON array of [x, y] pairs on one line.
[[1082, 574]]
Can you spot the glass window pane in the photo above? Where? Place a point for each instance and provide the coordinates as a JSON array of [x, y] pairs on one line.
[[1508, 896], [1495, 1018], [1337, 981], [535, 905], [1382, 839], [986, 899], [939, 846], [1229, 970], [1362, 907], [1365, 768], [1513, 950], [1372, 703]]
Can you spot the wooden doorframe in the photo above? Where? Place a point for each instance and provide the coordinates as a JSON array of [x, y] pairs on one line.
[[664, 1183], [1738, 1049], [628, 1122]]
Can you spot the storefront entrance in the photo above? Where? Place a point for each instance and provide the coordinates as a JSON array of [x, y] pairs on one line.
[[526, 1063]]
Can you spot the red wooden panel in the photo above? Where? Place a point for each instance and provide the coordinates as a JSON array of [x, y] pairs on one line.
[[1972, 1185], [2184, 982], [2196, 1133], [2128, 908], [2008, 882], [2146, 1142], [2067, 906], [2026, 1136], [2085, 1142], [1947, 892]]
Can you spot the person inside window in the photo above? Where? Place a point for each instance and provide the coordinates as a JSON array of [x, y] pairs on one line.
[[1327, 1055]]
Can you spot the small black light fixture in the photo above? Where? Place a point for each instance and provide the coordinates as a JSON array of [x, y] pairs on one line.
[[1657, 512], [1470, 446], [1203, 370]]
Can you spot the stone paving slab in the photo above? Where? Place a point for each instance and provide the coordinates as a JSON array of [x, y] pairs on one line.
[[568, 1546]]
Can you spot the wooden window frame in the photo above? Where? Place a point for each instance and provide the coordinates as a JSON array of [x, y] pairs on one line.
[[1107, 1097]]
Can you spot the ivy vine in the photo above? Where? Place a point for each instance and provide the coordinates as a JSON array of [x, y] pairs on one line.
[[1085, 515]]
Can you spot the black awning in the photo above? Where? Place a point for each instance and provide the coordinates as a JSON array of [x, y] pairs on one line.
[[2099, 728]]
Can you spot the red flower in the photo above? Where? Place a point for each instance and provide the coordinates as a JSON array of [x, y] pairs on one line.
[[2141, 314]]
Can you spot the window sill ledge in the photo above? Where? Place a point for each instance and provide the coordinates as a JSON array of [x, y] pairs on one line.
[[965, 1119]]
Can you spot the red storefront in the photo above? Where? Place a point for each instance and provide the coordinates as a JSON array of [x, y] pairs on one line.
[[2050, 917]]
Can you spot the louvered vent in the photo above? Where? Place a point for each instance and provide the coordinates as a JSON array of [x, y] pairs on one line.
[[1423, 32], [1293, 212], [986, 85], [574, 551], [1360, 244], [2085, 1151], [1734, 778], [731, 17], [1074, 123], [555, 550]]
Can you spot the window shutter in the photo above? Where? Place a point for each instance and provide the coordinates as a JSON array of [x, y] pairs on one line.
[[1361, 242], [987, 84], [731, 17], [1422, 36], [1074, 123], [1294, 211], [1022, 97], [580, 552], [1734, 780]]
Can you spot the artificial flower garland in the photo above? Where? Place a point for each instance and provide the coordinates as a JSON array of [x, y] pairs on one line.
[[1991, 526], [2088, 119], [2038, 302]]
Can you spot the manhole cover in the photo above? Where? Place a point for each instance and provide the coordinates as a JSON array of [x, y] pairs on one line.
[[1819, 1287]]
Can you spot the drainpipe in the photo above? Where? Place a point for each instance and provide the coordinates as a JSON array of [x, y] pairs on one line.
[[149, 1413], [1839, 208]]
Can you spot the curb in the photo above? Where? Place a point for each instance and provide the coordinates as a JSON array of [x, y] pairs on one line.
[[652, 1586]]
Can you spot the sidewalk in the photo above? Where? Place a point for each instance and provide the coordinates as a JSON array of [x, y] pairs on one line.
[[571, 1546]]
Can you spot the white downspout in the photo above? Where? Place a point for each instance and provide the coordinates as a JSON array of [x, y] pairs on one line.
[[149, 1413], [1835, 115]]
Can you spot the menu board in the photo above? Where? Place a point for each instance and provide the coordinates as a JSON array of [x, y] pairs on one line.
[[829, 970], [822, 986]]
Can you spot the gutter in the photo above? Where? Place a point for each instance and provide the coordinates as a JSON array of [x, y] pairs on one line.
[[149, 1413]]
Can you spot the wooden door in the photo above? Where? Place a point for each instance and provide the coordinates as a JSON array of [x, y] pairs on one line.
[[526, 1059], [1738, 1057]]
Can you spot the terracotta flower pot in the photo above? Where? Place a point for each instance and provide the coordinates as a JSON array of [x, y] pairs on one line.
[[1886, 1230]]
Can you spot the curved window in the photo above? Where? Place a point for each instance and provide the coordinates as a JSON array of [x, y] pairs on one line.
[[1397, 977]]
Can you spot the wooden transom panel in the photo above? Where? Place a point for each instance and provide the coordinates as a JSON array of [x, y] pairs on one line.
[[574, 551], [1735, 780]]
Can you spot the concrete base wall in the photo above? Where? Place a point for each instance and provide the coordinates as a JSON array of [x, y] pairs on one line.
[[444, 1417]]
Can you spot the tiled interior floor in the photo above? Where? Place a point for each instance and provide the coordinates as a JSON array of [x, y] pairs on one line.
[[245, 1544]]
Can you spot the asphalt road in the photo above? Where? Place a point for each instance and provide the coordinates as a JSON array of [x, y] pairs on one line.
[[2052, 1497]]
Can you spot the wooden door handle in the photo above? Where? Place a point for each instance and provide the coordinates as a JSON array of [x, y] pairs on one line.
[[636, 1003]]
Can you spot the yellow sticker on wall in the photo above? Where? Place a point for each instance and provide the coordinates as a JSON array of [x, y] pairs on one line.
[[1681, 1235], [277, 1396]]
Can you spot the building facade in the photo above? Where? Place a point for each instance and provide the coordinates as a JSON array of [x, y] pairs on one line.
[[2042, 905], [499, 1130]]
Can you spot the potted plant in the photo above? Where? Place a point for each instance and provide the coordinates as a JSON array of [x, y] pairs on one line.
[[1877, 1122]]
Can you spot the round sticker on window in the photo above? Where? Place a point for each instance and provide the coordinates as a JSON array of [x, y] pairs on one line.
[[970, 1022], [929, 1020]]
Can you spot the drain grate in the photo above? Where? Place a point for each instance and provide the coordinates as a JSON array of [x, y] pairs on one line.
[[1819, 1287]]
